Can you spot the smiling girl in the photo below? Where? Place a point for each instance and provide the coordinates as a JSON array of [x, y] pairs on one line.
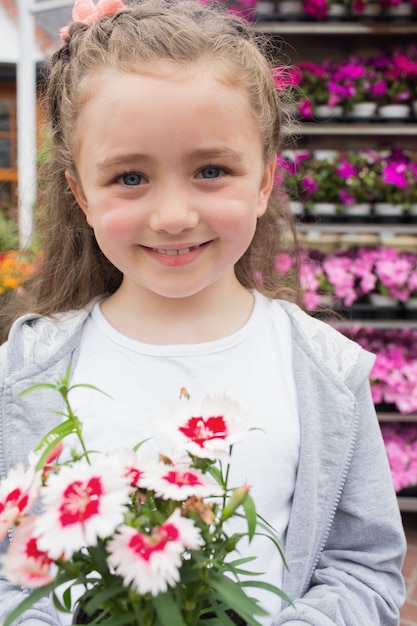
[[161, 235]]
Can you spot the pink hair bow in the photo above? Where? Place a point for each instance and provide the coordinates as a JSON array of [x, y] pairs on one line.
[[87, 12]]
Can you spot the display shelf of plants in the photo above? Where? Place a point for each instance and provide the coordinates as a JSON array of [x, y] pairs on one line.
[[330, 15], [351, 177]]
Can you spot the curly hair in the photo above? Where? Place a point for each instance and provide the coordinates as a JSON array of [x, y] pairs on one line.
[[74, 269]]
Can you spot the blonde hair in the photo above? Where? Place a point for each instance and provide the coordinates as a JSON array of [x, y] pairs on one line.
[[185, 32]]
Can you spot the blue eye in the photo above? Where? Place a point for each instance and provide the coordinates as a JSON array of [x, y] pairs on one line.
[[131, 179], [211, 172]]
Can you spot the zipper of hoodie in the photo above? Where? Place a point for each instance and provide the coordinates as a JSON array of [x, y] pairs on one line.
[[335, 505]]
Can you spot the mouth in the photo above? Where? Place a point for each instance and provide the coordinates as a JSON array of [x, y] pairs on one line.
[[177, 251]]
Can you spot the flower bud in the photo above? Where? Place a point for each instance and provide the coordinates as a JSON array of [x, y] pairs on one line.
[[236, 499]]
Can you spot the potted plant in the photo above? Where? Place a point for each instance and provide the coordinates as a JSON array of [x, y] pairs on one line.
[[394, 180], [391, 90], [358, 191], [321, 9], [320, 95], [321, 185], [358, 78]]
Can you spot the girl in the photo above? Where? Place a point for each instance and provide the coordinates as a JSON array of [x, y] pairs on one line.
[[160, 241]]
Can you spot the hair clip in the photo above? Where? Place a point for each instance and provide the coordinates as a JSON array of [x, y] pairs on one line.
[[86, 12]]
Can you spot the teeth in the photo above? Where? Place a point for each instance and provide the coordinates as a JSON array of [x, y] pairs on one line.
[[174, 252]]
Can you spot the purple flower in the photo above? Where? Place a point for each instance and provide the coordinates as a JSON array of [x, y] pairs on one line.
[[345, 169], [395, 174]]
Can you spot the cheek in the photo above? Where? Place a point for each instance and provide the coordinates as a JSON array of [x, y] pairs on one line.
[[234, 218], [114, 225]]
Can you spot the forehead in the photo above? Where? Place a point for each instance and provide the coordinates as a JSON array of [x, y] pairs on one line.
[[163, 117], [110, 87]]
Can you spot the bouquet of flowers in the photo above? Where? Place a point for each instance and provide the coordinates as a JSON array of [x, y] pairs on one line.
[[146, 540]]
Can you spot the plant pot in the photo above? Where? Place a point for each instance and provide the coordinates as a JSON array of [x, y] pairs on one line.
[[297, 208], [411, 303], [290, 7], [80, 617], [380, 300], [403, 9], [388, 209], [358, 210], [363, 110], [325, 155], [325, 111], [410, 308], [323, 208], [265, 7], [371, 9], [337, 10], [394, 111]]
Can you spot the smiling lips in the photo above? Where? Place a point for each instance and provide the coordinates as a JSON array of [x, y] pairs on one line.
[[175, 252], [177, 257]]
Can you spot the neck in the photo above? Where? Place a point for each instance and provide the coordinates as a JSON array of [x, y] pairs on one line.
[[196, 319]]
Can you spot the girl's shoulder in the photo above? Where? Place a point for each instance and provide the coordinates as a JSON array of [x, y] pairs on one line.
[[327, 346], [34, 339]]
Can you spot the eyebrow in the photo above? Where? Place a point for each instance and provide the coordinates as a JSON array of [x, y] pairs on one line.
[[198, 153], [122, 159], [214, 153]]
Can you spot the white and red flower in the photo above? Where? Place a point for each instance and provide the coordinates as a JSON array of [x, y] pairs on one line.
[[179, 482], [208, 428], [82, 503], [25, 564], [151, 563], [17, 494]]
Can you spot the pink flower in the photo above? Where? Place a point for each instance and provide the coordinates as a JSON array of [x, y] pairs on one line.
[[286, 77], [151, 563], [395, 174], [306, 108], [17, 494], [82, 503], [25, 564]]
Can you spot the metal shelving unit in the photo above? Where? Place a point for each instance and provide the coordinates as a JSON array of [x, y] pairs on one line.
[[352, 134]]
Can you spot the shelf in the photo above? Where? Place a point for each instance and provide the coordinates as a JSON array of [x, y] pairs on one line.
[[271, 26], [348, 128], [390, 324], [407, 504], [383, 229], [397, 417]]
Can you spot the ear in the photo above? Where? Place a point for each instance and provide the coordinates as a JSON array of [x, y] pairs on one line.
[[265, 188], [79, 195]]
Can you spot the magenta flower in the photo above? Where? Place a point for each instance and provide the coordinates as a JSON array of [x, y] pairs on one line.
[[345, 169]]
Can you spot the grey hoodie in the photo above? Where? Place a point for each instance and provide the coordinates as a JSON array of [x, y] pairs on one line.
[[345, 543]]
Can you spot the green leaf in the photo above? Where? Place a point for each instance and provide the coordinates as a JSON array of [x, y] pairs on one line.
[[233, 596], [167, 610], [267, 587], [35, 595], [34, 387], [93, 387], [58, 434]]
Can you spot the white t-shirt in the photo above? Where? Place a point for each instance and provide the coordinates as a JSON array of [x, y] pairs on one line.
[[253, 366]]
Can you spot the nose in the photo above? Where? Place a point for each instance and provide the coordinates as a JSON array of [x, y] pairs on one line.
[[173, 211]]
